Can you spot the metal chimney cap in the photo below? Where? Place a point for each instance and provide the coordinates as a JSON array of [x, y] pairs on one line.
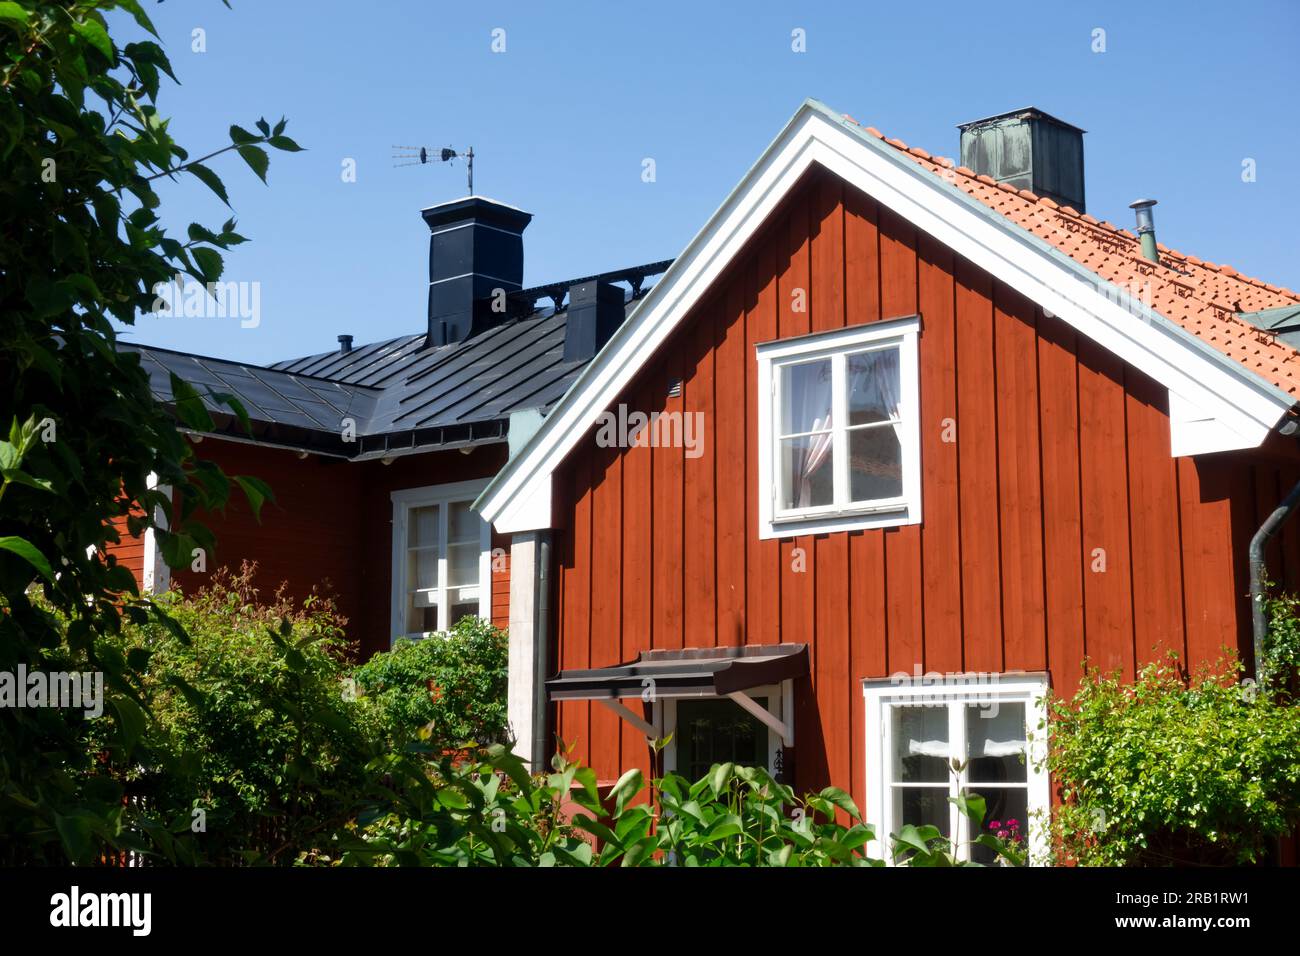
[[345, 343], [1142, 203]]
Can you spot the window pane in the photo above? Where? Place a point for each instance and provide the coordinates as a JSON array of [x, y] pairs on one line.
[[807, 472], [873, 383], [718, 731], [462, 564], [921, 745], [997, 743], [464, 523], [1008, 807], [463, 608], [422, 526], [421, 569], [805, 397], [921, 805], [421, 612], [875, 464]]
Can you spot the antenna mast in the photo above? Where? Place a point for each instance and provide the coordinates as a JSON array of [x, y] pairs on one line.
[[422, 155]]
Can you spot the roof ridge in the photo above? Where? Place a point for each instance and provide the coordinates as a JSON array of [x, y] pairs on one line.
[[916, 152]]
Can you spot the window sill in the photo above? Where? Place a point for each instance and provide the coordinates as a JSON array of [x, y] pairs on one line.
[[855, 519]]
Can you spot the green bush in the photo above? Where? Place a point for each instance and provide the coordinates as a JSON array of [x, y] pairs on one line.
[[488, 811], [448, 689], [251, 723], [1174, 771]]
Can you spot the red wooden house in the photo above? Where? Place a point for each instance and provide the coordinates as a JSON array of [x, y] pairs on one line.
[[891, 448]]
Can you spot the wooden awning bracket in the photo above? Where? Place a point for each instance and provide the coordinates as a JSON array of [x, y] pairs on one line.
[[631, 716], [782, 727]]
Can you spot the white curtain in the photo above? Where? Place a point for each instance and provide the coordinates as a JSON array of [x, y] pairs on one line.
[[810, 410], [874, 382]]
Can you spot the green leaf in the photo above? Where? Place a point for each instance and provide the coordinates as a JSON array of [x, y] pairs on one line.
[[209, 179], [285, 143], [236, 406], [256, 491], [19, 477], [256, 160], [625, 788], [189, 406], [130, 720], [209, 263], [241, 136], [719, 776], [75, 832], [172, 625], [28, 552], [13, 14], [843, 800], [93, 32]]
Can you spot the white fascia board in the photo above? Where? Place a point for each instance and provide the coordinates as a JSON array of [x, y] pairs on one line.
[[1244, 406], [530, 510]]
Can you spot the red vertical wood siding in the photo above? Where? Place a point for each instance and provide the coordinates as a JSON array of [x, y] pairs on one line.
[[129, 551], [330, 528], [1056, 526]]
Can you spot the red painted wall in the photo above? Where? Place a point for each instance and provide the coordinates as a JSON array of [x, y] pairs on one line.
[[129, 551], [330, 527], [1061, 449]]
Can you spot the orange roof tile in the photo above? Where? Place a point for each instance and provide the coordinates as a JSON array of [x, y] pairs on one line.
[[1200, 296]]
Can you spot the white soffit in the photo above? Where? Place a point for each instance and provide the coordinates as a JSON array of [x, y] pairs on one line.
[[1215, 403]]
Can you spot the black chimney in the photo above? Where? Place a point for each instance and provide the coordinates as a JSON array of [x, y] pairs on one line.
[[476, 257], [1030, 150], [595, 311]]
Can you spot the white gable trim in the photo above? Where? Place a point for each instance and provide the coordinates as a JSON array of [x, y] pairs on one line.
[[1239, 407]]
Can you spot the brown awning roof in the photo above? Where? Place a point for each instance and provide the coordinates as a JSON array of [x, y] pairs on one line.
[[689, 672]]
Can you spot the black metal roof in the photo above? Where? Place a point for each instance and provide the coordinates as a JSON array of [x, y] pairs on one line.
[[400, 394]]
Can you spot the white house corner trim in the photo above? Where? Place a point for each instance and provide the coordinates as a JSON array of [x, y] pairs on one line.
[[156, 576], [526, 665]]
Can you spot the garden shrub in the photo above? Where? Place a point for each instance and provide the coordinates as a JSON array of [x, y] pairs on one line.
[[488, 811], [1172, 770], [449, 689], [251, 723]]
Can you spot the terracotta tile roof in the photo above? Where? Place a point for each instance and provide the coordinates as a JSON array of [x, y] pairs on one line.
[[1200, 296]]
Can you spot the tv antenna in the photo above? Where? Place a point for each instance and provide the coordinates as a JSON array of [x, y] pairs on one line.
[[422, 155]]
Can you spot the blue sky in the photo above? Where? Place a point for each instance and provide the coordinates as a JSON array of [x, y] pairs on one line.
[[561, 121]]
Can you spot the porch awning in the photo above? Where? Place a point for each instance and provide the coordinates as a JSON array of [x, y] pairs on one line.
[[689, 672]]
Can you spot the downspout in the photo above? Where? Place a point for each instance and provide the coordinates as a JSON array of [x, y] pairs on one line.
[[1258, 570], [541, 651]]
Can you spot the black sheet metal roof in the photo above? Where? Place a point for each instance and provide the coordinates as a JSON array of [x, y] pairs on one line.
[[400, 394], [690, 672]]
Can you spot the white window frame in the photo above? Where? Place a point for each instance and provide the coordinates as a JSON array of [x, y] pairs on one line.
[[780, 704], [954, 691], [443, 495], [776, 522]]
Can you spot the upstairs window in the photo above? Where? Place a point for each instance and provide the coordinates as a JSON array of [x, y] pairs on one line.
[[441, 559], [838, 440]]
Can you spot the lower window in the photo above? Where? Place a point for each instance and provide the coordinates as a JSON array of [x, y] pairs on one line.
[[704, 731], [441, 558], [930, 742]]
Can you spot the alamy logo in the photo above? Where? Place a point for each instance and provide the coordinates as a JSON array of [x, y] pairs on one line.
[[75, 908], [214, 300], [624, 429], [68, 689]]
